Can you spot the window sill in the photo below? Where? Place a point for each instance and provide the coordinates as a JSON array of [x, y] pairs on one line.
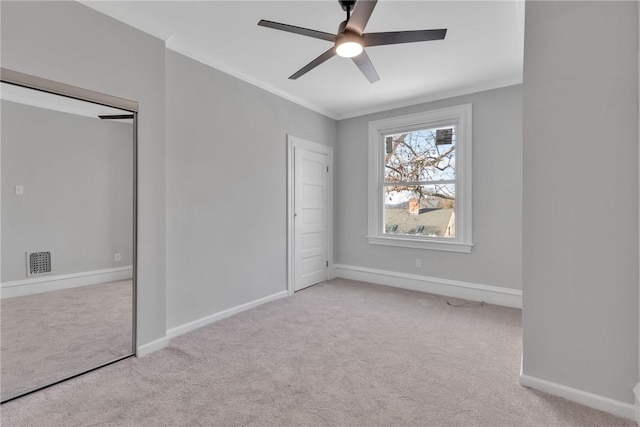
[[418, 243]]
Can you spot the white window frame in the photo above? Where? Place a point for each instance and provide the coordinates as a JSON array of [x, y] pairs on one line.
[[460, 116]]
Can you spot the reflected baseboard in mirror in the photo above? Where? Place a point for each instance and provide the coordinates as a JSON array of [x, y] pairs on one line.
[[68, 286]]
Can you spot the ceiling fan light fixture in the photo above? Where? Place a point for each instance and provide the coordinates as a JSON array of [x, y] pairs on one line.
[[349, 44], [349, 49]]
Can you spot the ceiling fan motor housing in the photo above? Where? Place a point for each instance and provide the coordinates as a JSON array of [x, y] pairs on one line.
[[346, 36], [342, 26]]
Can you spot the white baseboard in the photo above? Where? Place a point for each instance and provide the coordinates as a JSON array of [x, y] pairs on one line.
[[636, 392], [187, 327], [452, 288], [149, 348], [161, 343], [615, 407], [36, 285]]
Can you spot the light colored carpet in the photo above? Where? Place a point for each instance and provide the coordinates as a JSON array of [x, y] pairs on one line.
[[341, 353], [49, 336]]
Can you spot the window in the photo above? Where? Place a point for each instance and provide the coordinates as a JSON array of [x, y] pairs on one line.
[[420, 180]]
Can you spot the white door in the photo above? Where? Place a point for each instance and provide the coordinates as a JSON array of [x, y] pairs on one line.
[[310, 217]]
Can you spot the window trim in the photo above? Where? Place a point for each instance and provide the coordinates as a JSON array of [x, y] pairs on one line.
[[460, 116]]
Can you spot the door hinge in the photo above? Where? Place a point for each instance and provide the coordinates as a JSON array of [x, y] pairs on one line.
[[327, 263], [327, 169]]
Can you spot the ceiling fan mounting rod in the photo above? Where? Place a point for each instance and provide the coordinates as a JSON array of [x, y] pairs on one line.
[[347, 6]]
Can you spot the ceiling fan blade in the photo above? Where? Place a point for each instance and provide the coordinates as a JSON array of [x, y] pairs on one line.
[[364, 63], [396, 37], [298, 30], [313, 64], [360, 16], [116, 116]]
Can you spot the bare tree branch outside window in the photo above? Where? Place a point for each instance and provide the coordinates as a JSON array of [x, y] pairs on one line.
[[420, 173]]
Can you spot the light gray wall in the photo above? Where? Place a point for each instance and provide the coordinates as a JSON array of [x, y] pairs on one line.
[[77, 174], [226, 188], [71, 43], [496, 258], [580, 312]]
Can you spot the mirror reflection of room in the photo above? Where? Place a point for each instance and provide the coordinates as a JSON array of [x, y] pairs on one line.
[[67, 237]]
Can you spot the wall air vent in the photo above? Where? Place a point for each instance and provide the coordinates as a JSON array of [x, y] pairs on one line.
[[39, 263]]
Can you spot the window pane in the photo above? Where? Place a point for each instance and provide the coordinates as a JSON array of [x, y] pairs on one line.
[[422, 155], [427, 210]]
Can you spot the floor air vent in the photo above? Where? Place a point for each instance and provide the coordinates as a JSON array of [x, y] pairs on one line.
[[39, 263]]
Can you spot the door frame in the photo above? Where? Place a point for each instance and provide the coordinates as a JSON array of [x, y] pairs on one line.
[[294, 143]]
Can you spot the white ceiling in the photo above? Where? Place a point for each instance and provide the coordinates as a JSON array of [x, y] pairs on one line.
[[483, 48]]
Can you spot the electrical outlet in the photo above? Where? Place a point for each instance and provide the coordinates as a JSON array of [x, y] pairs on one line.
[[117, 257], [418, 263]]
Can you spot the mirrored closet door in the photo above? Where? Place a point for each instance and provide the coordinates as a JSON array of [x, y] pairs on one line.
[[67, 234]]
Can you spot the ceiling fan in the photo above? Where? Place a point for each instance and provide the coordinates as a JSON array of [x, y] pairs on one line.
[[351, 38]]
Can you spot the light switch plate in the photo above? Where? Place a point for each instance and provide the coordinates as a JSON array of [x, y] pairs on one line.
[[19, 189]]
